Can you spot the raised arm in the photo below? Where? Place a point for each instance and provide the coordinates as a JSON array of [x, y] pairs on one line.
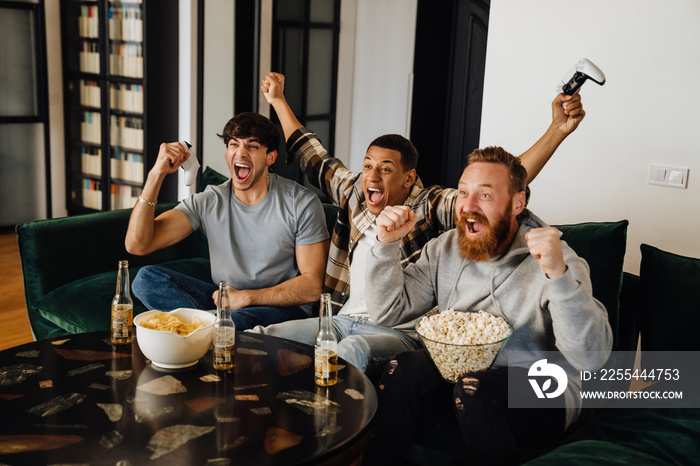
[[273, 89], [304, 288], [567, 113], [146, 233]]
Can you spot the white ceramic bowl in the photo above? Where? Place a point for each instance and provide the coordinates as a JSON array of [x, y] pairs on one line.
[[172, 351]]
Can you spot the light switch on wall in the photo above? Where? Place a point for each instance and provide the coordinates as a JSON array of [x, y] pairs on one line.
[[662, 175]]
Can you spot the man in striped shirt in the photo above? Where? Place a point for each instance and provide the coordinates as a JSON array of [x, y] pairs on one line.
[[388, 177]]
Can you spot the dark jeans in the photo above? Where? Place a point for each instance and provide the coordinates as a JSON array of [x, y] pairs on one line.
[[165, 290], [470, 419]]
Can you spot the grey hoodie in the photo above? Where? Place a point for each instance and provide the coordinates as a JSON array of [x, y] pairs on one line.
[[546, 315]]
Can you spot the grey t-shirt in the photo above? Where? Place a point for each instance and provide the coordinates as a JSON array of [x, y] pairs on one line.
[[252, 246]]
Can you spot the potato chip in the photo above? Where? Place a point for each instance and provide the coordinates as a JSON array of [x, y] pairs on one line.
[[166, 321]]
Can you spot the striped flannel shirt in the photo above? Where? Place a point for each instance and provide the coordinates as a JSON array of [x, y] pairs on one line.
[[434, 207]]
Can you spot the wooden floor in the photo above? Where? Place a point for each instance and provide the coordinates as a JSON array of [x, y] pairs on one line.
[[14, 324]]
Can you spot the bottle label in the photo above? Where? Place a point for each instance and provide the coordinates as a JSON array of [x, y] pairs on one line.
[[122, 316], [325, 366], [223, 357]]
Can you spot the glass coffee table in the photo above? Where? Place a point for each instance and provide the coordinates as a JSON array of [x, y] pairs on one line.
[[80, 400]]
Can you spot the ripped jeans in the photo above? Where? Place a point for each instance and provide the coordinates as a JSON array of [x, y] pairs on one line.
[[469, 419]]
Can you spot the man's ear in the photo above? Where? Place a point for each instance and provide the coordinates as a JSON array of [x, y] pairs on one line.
[[519, 203], [409, 178], [271, 157]]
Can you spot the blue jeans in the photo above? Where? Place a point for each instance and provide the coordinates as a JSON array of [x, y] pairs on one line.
[[165, 290], [360, 342]]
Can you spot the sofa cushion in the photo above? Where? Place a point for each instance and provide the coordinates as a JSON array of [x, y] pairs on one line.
[[602, 245], [211, 177], [84, 305], [596, 452], [641, 436], [670, 301]]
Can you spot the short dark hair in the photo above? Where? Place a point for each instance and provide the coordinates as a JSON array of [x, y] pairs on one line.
[[252, 125], [409, 153], [494, 154]]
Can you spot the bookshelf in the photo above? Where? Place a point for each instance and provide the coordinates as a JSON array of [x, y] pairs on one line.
[[121, 91]]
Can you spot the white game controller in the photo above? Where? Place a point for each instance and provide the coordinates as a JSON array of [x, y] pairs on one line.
[[574, 79], [191, 165]]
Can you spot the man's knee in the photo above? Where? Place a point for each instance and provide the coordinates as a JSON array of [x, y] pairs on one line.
[[409, 371], [145, 277], [484, 393], [355, 350], [150, 274], [300, 330]]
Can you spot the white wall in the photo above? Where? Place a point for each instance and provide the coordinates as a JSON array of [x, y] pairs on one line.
[[382, 69], [54, 65], [219, 75], [645, 113], [187, 76]]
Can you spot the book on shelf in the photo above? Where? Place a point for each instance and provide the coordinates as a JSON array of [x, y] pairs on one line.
[[90, 128], [126, 60], [88, 21], [126, 132], [125, 24], [90, 93], [91, 158], [123, 196], [92, 194], [126, 97], [127, 166], [89, 57]]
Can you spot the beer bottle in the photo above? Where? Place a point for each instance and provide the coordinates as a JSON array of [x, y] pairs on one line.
[[224, 346], [122, 328], [326, 348]]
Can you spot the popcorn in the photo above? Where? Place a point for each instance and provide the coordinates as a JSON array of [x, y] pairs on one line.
[[462, 342]]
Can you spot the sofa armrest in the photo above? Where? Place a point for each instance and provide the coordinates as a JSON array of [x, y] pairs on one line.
[[57, 251]]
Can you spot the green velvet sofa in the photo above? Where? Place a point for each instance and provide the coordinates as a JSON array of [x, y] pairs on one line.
[[69, 266]]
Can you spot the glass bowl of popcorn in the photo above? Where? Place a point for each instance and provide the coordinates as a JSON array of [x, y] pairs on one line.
[[461, 342]]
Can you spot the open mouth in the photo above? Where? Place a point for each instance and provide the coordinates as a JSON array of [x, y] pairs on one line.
[[474, 225], [374, 196], [242, 171]]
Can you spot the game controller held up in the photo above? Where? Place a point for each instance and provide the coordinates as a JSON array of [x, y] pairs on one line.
[[191, 165], [574, 79]]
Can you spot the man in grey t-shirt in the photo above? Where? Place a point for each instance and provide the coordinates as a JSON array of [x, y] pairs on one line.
[[267, 235]]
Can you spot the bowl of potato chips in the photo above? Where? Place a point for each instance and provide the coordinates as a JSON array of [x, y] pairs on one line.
[[175, 339]]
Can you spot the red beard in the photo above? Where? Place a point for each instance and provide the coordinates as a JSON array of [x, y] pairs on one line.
[[484, 248]]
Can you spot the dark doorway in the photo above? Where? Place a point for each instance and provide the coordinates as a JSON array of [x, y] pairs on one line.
[[247, 52], [449, 64]]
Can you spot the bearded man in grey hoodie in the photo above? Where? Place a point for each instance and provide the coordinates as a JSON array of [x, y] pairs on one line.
[[503, 260]]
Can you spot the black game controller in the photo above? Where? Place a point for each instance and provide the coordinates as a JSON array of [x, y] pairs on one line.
[[574, 79]]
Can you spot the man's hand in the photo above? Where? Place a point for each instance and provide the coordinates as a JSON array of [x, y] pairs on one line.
[[545, 246], [272, 87], [567, 112], [170, 156], [394, 222], [238, 299]]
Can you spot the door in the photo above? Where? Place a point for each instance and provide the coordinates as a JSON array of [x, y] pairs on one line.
[[449, 64], [25, 185]]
